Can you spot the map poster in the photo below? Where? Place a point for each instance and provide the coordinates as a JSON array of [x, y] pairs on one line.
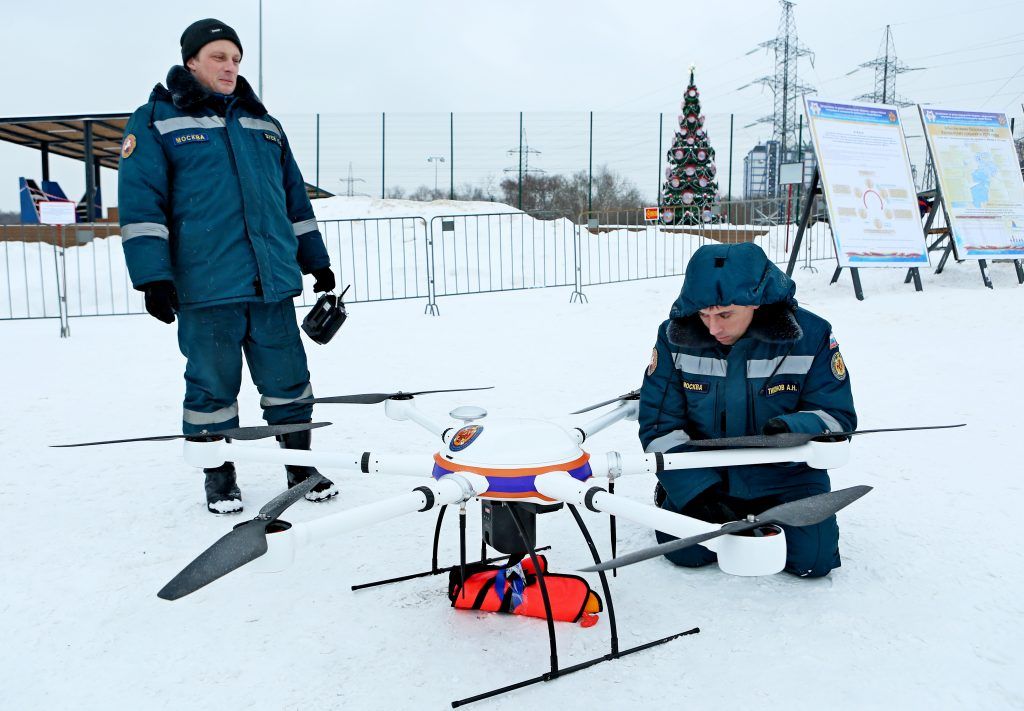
[[980, 179], [868, 185]]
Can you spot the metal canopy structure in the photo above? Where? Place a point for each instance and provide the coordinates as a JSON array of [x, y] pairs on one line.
[[69, 136], [92, 138]]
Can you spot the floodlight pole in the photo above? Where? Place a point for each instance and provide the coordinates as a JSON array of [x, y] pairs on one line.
[[261, 52]]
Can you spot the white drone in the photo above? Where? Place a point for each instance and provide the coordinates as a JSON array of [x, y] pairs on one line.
[[517, 468]]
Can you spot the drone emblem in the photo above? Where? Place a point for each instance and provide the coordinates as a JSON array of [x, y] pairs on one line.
[[464, 437]]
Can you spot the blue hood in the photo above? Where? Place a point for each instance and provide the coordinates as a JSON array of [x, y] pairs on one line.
[[724, 274]]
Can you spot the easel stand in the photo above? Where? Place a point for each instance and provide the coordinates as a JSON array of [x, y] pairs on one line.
[[555, 671], [805, 218]]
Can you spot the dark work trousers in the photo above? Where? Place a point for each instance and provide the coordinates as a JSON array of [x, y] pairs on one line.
[[213, 340], [811, 551]]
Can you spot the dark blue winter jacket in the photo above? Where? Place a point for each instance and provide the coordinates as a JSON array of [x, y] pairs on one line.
[[210, 197], [786, 366]]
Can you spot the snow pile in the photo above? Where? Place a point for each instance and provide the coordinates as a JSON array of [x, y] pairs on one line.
[[352, 208], [924, 613]]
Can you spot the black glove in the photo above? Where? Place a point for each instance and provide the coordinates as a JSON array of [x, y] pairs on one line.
[[711, 505], [776, 425], [324, 280], [161, 300]]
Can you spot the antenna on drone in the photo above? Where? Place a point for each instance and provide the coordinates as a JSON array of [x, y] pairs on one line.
[[886, 66], [787, 90]]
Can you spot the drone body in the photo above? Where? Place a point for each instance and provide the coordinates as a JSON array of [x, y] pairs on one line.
[[510, 454]]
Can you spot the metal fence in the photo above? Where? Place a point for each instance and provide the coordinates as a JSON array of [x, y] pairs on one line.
[[620, 245], [79, 270], [475, 254], [468, 155]]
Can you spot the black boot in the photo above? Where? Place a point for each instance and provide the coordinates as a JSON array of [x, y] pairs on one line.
[[222, 494], [298, 474]]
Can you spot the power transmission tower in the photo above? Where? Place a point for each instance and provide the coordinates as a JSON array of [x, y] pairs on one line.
[[523, 153], [351, 183], [787, 90], [886, 67]]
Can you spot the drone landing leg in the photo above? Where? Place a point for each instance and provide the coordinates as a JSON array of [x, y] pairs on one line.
[[604, 578], [434, 570], [555, 671], [549, 618]]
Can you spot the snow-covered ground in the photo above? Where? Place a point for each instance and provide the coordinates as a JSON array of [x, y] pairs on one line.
[[926, 611]]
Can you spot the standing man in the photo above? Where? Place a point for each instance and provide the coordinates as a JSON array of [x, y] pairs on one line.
[[217, 228], [739, 357]]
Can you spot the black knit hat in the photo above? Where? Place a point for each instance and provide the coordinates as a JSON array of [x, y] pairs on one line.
[[201, 33]]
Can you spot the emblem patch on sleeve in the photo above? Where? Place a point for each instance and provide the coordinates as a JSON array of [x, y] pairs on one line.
[[128, 147], [838, 366], [654, 362], [832, 342]]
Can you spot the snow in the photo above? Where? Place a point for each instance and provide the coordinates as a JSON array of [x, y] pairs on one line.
[[348, 208], [926, 611]]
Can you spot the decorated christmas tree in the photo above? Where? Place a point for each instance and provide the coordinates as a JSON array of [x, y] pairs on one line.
[[690, 189]]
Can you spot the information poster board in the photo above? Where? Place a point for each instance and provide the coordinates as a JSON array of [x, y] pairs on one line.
[[980, 179], [868, 184]]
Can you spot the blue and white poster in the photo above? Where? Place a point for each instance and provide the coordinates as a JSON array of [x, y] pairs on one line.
[[868, 184], [980, 180]]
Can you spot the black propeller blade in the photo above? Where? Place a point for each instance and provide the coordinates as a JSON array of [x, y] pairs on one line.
[[804, 512], [374, 398], [631, 395], [795, 439], [239, 433], [243, 544]]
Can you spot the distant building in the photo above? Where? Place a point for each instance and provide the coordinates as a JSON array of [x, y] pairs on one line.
[[761, 169]]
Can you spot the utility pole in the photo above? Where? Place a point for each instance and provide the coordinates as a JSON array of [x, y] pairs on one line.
[[261, 52]]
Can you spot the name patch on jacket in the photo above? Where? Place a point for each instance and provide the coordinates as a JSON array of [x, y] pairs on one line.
[[272, 137], [193, 137], [779, 388], [695, 386]]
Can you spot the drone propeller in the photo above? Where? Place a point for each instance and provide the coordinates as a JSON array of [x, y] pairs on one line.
[[803, 512], [239, 433], [631, 395], [795, 439], [243, 544], [374, 398]]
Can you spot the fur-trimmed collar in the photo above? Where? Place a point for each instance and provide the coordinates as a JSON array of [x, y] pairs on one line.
[[772, 323], [186, 93]]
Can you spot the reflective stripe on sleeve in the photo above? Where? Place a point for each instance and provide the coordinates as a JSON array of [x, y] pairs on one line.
[[144, 229], [790, 365], [304, 226], [179, 123], [830, 422], [259, 125], [224, 414], [699, 365], [275, 401], [667, 441]]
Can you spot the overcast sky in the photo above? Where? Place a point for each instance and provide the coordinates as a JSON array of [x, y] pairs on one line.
[[403, 56]]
